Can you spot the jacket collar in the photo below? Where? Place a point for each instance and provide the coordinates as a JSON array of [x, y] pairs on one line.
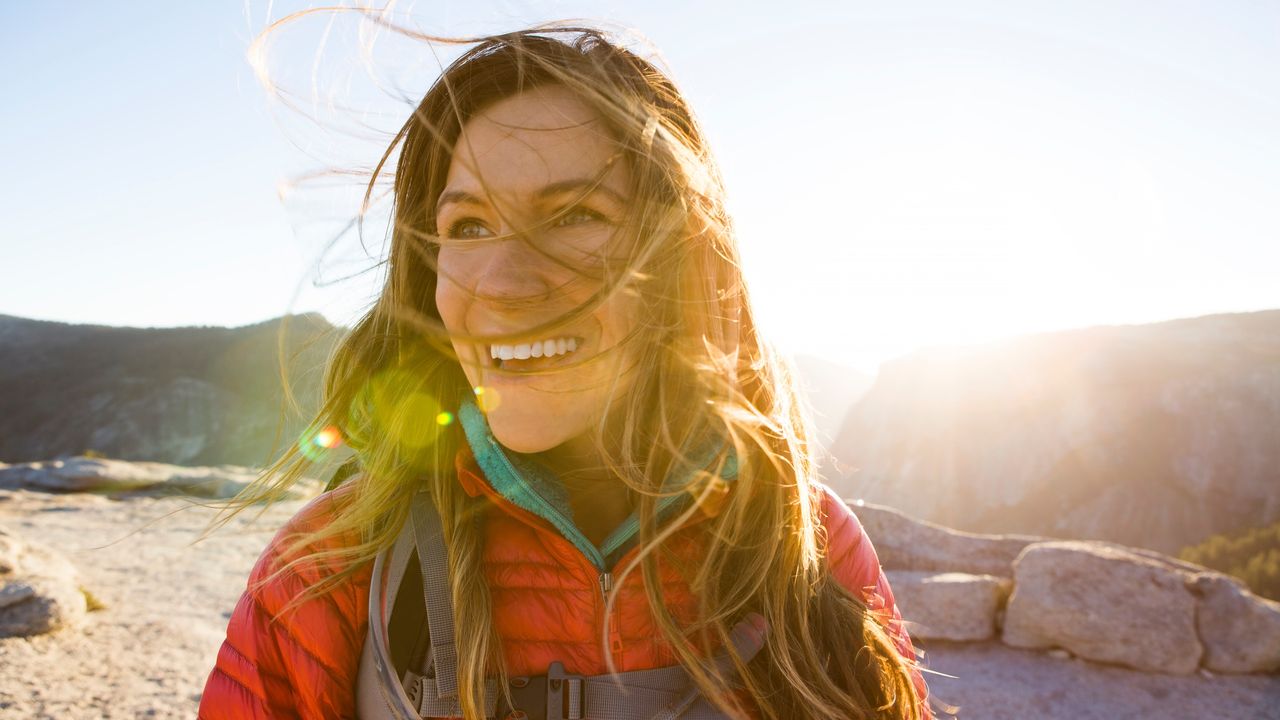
[[486, 467]]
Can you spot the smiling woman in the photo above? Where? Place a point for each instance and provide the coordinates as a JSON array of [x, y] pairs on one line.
[[627, 488], [530, 152], [519, 177]]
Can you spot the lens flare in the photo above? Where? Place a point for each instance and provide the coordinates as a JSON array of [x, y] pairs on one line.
[[399, 409], [411, 422], [329, 438], [316, 442], [394, 404], [487, 398]]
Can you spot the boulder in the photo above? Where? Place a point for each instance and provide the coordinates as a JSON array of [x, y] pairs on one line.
[[1240, 631], [40, 593], [79, 474], [905, 543], [84, 474], [1103, 604], [949, 606], [10, 549]]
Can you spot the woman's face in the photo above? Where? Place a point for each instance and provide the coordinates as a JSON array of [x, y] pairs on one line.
[[517, 164]]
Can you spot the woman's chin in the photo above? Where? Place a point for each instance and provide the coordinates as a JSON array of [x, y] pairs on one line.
[[527, 438]]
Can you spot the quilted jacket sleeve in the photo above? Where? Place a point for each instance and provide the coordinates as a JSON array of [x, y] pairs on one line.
[[299, 666], [856, 566]]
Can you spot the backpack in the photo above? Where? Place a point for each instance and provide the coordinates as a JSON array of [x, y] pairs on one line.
[[408, 666]]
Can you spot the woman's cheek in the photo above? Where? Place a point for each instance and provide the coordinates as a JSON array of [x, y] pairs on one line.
[[450, 294], [452, 306]]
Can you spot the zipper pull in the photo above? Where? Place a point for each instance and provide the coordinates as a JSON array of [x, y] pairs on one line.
[[614, 632]]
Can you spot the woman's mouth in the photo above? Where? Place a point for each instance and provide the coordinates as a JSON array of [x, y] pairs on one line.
[[533, 355]]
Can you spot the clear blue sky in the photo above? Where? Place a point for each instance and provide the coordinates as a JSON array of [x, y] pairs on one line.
[[903, 174]]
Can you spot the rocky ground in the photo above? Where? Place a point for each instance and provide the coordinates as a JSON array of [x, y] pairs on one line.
[[147, 654], [996, 682]]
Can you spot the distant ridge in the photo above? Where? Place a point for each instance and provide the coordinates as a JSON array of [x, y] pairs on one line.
[[310, 317], [1154, 436], [186, 395]]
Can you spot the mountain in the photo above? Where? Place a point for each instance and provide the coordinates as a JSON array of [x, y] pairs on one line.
[[1156, 436], [189, 396]]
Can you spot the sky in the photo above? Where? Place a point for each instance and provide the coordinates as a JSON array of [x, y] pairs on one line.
[[902, 175]]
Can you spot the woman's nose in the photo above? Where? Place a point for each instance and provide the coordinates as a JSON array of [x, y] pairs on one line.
[[514, 275]]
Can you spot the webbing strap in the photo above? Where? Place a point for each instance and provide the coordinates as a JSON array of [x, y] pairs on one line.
[[658, 694], [434, 561], [379, 693], [674, 698]]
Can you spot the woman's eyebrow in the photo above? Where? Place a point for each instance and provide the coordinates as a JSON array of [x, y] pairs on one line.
[[457, 196], [556, 188], [586, 185]]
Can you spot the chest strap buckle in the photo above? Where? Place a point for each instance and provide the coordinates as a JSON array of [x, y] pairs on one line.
[[554, 696]]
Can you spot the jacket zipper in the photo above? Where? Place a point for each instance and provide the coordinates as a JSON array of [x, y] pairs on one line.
[[605, 581], [613, 635], [604, 576]]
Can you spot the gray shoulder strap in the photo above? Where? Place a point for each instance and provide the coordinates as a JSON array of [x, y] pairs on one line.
[[660, 694], [433, 560]]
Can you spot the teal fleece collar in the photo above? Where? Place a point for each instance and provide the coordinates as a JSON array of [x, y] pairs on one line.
[[535, 488]]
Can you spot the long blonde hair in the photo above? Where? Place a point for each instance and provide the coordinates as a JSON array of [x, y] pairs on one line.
[[704, 369]]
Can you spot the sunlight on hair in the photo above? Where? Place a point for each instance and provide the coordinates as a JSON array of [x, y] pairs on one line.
[[401, 410], [409, 427]]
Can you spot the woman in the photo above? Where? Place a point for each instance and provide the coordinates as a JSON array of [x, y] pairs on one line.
[[564, 359]]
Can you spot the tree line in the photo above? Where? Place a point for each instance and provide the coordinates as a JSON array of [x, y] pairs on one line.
[[1252, 556]]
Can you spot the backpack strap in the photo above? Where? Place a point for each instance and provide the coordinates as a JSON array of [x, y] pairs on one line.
[[379, 692], [659, 694], [433, 561]]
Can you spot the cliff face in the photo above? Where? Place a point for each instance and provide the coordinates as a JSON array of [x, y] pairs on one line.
[[194, 396], [1155, 436], [831, 389]]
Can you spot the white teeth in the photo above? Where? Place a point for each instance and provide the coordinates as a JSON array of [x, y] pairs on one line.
[[541, 348]]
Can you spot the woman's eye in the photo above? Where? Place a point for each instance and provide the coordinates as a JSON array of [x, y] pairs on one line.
[[466, 229]]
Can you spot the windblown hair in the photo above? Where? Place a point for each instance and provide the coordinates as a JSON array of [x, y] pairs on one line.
[[703, 371]]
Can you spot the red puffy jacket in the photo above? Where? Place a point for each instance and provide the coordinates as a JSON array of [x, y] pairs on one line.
[[547, 606]]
